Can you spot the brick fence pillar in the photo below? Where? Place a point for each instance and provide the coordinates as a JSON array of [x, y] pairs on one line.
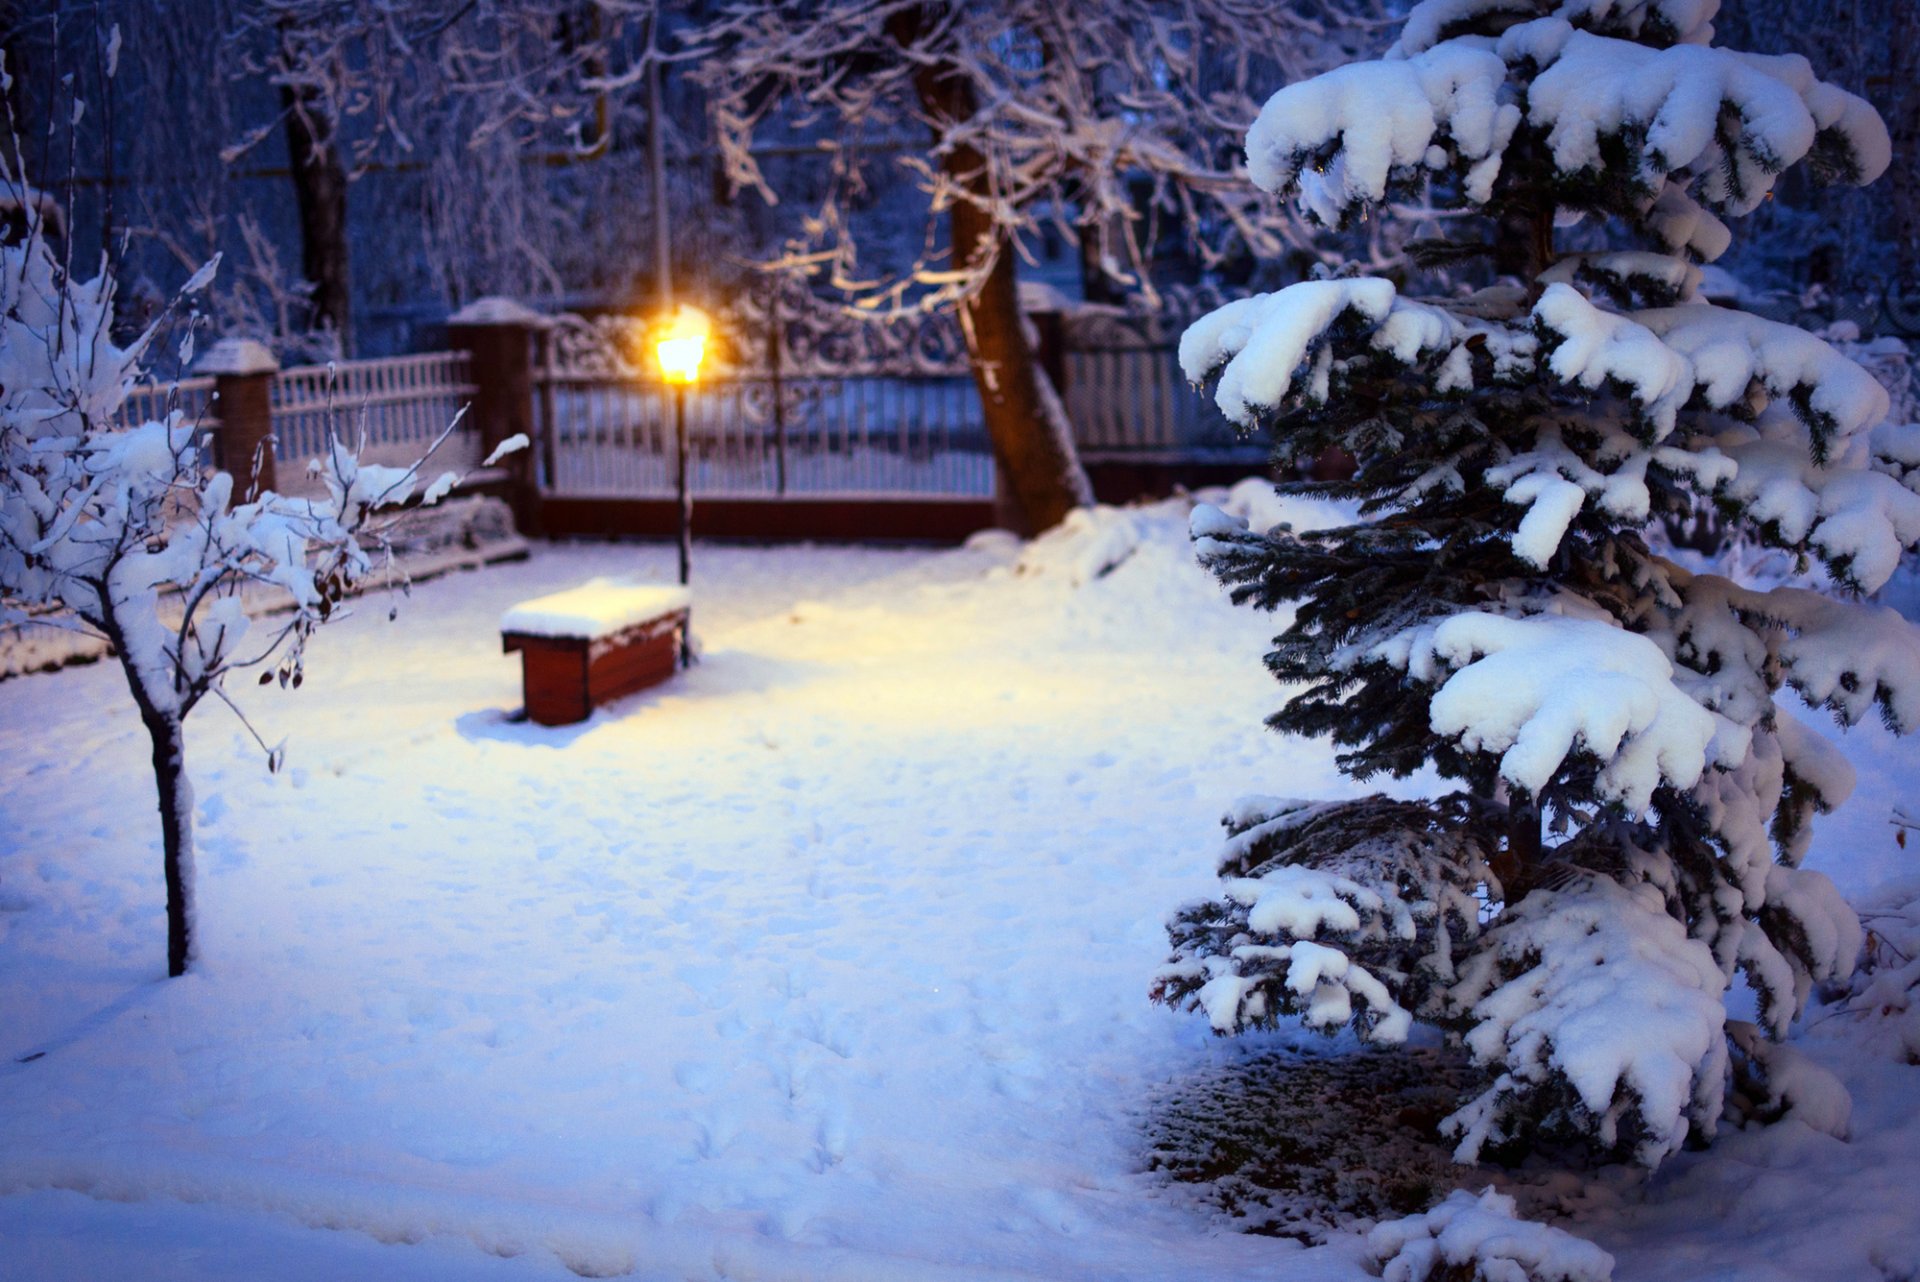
[[243, 371], [498, 336]]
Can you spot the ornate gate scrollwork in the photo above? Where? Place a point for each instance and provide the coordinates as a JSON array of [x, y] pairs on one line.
[[778, 329]]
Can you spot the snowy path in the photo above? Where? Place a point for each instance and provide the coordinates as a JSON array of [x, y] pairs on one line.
[[827, 960]]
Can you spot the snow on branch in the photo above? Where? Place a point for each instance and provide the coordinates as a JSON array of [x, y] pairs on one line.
[[1482, 1238], [1734, 120], [1849, 656], [1656, 22], [1270, 350], [1622, 112], [1735, 355], [1341, 912], [1338, 141], [1654, 280], [1037, 110], [1797, 476], [1681, 223], [1264, 341], [1598, 349], [1537, 689], [1857, 521], [1546, 996]]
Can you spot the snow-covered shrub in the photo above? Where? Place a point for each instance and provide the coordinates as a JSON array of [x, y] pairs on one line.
[[127, 532], [1635, 804], [1887, 987], [1478, 1239]]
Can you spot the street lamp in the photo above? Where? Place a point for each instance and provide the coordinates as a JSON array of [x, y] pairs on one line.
[[681, 345]]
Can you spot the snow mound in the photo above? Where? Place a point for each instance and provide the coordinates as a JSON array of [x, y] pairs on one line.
[[1087, 545], [1480, 1238]]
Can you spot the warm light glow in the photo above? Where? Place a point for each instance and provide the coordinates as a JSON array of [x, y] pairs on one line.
[[682, 343]]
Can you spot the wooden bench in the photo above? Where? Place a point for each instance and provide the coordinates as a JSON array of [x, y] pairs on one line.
[[594, 643]]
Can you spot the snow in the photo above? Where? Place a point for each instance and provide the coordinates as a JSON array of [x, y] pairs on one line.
[[1263, 341], [1681, 222], [1683, 97], [836, 947], [1722, 122], [1431, 21], [513, 444], [1548, 997], [1465, 1230], [595, 609], [827, 962], [495, 310], [1534, 689], [1379, 122], [1087, 545], [1552, 503], [239, 356], [1597, 349], [1637, 270], [1797, 1085], [1732, 352]]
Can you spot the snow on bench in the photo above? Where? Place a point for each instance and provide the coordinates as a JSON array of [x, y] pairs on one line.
[[594, 643]]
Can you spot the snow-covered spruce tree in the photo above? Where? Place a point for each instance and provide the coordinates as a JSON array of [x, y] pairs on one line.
[[123, 531], [1633, 804]]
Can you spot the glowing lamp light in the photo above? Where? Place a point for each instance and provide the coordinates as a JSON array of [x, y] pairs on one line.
[[683, 344]]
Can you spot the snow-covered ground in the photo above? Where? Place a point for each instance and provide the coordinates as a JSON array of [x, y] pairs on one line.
[[826, 960]]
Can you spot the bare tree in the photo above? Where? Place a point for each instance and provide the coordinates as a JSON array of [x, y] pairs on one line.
[[1032, 110], [117, 527], [367, 85]]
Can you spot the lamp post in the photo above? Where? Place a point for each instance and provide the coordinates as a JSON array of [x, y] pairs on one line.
[[679, 349]]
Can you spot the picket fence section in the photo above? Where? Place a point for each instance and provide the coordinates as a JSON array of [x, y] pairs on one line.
[[148, 402], [392, 409]]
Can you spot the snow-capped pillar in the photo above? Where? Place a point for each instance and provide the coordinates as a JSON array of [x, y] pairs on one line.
[[498, 336], [242, 372]]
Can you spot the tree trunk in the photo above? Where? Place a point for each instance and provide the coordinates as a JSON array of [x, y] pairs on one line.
[[1032, 437], [1028, 426], [176, 832], [320, 192], [1518, 864], [166, 729]]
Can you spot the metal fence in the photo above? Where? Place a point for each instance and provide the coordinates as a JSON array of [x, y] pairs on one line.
[[798, 403], [801, 404], [814, 403], [1129, 399], [756, 435], [1134, 403], [396, 405]]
